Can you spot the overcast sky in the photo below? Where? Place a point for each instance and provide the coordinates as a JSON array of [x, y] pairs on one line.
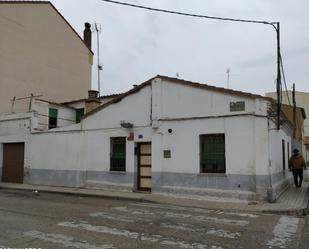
[[138, 44]]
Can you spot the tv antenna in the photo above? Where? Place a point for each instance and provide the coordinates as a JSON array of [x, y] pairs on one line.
[[228, 78], [97, 28]]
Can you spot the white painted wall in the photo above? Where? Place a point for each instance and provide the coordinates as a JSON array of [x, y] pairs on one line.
[[15, 128], [240, 145], [275, 142], [66, 115], [250, 144], [172, 100], [77, 105], [135, 109], [58, 151]]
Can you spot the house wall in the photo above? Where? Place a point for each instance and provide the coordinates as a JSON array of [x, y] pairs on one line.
[[40, 54], [135, 108], [15, 128], [77, 105], [182, 170], [57, 159], [91, 147], [280, 178], [179, 101], [198, 112], [79, 155], [66, 115]]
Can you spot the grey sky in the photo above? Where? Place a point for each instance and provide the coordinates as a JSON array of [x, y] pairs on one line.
[[138, 44]]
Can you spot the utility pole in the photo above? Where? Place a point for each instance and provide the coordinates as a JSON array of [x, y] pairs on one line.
[[275, 25], [278, 85], [228, 78], [98, 30], [294, 110]]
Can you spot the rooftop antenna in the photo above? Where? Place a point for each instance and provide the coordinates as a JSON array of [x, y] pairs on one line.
[[228, 77], [98, 30]]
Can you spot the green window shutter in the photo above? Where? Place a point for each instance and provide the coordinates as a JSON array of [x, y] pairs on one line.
[[52, 120], [118, 154], [79, 113], [212, 153], [53, 113]]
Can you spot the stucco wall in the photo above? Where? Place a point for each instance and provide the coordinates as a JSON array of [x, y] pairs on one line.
[[279, 178], [135, 108], [15, 128], [79, 155], [172, 100], [40, 54]]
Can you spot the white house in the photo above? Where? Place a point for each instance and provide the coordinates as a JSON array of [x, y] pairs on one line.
[[167, 135]]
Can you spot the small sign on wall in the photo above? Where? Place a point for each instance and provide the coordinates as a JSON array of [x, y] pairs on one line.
[[167, 154], [237, 106], [131, 136]]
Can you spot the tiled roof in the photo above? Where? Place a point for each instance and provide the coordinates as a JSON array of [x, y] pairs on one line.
[[54, 103], [182, 82], [101, 97], [213, 88], [47, 2]]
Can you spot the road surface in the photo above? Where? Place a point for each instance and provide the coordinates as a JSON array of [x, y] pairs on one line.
[[52, 221]]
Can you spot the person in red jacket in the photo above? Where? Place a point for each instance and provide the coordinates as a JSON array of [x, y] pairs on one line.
[[297, 165]]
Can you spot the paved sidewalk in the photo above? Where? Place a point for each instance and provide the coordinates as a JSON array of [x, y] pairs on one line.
[[293, 201]]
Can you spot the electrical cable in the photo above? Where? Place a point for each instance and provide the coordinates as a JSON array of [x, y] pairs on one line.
[[273, 24], [284, 79], [188, 14]]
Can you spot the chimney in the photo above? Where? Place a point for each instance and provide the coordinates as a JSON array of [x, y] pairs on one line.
[[93, 101], [87, 35], [93, 94]]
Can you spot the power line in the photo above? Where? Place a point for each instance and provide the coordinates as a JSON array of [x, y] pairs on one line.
[[275, 25], [284, 80], [188, 14]]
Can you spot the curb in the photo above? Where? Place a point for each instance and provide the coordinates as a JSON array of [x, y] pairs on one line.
[[71, 193], [302, 211]]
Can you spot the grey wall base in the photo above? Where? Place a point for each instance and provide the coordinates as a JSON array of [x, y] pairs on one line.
[[79, 179], [249, 187], [110, 180], [63, 178]]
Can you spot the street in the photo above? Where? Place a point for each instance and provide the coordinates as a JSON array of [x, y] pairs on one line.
[[50, 221]]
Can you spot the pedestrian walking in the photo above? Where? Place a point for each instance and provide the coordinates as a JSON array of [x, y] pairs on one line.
[[297, 165]]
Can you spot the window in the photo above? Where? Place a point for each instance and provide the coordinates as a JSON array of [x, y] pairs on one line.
[[212, 153], [283, 154], [79, 113], [237, 106], [52, 120], [118, 154], [167, 154]]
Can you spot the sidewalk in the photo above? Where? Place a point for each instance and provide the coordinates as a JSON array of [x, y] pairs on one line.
[[293, 201]]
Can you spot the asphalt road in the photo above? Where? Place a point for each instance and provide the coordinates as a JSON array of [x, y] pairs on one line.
[[51, 221]]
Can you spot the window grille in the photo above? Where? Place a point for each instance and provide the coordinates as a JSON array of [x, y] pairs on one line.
[[118, 154], [212, 153]]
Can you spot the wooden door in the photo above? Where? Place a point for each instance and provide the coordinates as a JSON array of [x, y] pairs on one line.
[[13, 162], [144, 167]]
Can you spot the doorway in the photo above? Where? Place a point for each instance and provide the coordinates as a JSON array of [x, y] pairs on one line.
[[13, 162], [144, 181]]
